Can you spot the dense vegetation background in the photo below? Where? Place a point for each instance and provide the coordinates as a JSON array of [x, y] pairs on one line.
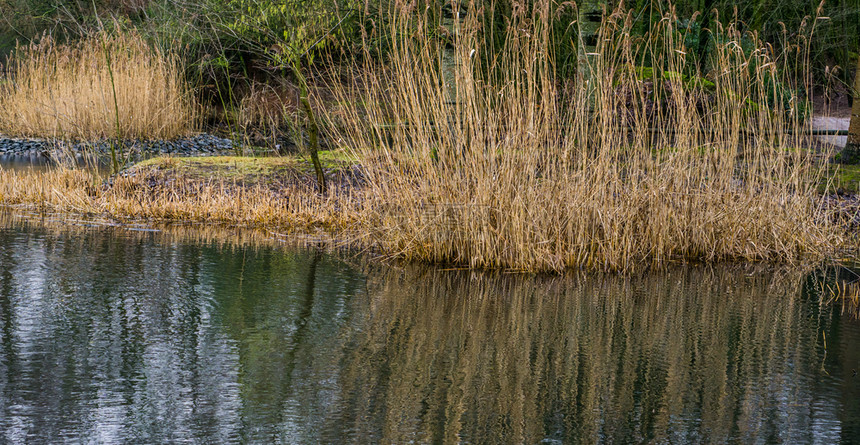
[[528, 136], [240, 55]]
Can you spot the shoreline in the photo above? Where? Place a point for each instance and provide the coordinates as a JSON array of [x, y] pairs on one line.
[[276, 195], [198, 144]]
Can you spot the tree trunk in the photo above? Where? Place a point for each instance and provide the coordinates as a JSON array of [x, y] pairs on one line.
[[313, 128], [851, 153]]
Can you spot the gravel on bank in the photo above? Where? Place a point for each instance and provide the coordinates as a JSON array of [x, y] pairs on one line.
[[198, 145]]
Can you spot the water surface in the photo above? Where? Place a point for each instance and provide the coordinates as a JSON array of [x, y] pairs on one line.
[[110, 335], [39, 163]]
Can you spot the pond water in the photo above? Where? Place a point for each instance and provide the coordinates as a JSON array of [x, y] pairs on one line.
[[24, 162], [38, 163], [110, 335]]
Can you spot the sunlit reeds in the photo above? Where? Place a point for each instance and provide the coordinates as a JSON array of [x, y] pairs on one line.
[[65, 91], [492, 161], [167, 194], [61, 190]]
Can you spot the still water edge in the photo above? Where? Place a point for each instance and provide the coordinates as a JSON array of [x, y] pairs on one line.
[[116, 336]]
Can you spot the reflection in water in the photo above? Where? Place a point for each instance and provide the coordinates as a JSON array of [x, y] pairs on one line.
[[114, 336], [685, 357], [111, 337], [20, 162], [38, 162]]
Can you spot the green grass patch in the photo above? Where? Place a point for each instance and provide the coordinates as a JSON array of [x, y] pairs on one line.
[[841, 178], [690, 81], [245, 168]]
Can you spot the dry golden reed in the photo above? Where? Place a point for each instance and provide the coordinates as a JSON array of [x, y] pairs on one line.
[[61, 190], [65, 91], [494, 162], [845, 294], [169, 195]]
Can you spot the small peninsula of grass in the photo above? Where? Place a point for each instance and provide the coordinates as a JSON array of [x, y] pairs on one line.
[[277, 193], [246, 169], [482, 153]]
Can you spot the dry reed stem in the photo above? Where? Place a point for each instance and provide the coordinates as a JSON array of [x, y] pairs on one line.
[[520, 172], [64, 91], [847, 294], [170, 196]]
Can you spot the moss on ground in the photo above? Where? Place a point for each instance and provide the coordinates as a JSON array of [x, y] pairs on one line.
[[841, 179], [245, 169], [648, 74], [257, 170]]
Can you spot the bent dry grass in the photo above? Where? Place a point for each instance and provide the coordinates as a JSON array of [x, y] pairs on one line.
[[500, 164], [278, 193], [285, 199], [66, 91], [503, 165]]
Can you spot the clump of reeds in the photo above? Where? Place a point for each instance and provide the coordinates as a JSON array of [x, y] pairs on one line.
[[491, 161], [71, 91], [168, 195], [61, 189], [165, 193]]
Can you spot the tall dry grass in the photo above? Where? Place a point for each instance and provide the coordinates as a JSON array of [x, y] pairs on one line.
[[500, 164], [60, 190], [166, 194], [65, 91]]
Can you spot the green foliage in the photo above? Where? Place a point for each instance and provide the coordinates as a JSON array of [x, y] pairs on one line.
[[565, 27], [831, 28], [690, 81], [25, 20], [225, 43], [845, 177], [849, 155], [290, 27]]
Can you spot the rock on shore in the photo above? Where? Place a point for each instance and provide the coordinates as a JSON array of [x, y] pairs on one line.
[[195, 145]]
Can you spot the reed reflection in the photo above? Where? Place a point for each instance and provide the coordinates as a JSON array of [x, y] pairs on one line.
[[688, 356], [117, 335]]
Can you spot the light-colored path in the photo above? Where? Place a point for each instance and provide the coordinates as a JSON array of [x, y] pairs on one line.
[[831, 123]]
